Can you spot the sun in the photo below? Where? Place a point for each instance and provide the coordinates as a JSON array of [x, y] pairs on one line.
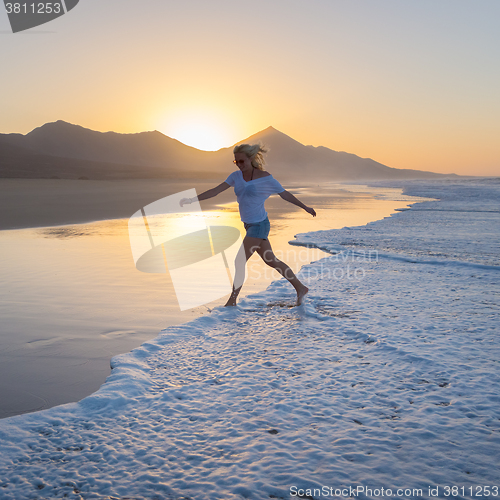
[[205, 133]]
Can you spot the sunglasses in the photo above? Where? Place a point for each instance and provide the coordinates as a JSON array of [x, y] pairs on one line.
[[239, 162]]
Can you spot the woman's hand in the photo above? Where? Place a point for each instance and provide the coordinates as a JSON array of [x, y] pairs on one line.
[[184, 201], [311, 211]]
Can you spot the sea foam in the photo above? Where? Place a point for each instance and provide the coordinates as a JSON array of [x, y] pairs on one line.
[[387, 377]]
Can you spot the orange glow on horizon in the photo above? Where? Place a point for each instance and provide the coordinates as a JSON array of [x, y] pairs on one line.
[[199, 133], [198, 125]]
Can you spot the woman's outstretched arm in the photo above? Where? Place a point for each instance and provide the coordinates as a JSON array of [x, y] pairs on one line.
[[207, 194], [291, 199]]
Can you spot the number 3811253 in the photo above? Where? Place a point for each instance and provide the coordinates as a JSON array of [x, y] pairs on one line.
[[34, 8]]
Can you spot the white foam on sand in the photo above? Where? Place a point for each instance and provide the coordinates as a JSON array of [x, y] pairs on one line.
[[387, 376]]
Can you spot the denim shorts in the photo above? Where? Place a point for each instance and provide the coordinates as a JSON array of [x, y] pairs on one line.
[[258, 229]]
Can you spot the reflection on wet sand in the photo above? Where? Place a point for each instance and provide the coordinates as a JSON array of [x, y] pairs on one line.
[[72, 297]]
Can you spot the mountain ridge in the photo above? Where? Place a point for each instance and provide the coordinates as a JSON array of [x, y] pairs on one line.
[[62, 149]]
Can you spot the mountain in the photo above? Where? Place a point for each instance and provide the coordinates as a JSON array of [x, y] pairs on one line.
[[19, 162], [289, 157], [73, 141], [64, 150], [69, 151]]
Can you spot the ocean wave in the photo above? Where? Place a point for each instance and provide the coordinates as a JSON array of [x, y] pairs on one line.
[[387, 375], [461, 228]]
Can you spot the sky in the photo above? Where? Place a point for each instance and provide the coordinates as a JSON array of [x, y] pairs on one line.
[[408, 83]]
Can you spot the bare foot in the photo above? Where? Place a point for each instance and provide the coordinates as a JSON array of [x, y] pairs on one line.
[[301, 294]]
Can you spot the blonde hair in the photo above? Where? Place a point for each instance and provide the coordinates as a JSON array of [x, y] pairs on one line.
[[255, 152]]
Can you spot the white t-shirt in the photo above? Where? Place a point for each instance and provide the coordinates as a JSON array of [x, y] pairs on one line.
[[251, 195]]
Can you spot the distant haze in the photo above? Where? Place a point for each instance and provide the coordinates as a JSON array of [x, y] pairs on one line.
[[66, 151]]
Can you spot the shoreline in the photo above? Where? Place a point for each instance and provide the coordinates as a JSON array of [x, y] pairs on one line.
[[95, 256], [44, 203]]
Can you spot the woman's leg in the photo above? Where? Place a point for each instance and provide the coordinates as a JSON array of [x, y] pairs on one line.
[[249, 246], [267, 254]]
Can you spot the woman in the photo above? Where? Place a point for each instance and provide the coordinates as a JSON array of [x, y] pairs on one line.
[[252, 186]]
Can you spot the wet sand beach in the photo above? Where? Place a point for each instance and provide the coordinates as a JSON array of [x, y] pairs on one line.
[[72, 298]]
